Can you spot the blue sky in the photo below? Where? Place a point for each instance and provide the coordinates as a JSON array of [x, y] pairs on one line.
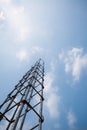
[[54, 30]]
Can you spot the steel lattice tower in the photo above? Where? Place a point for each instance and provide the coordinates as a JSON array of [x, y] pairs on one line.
[[22, 109]]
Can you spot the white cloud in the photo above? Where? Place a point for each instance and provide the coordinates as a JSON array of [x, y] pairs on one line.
[[61, 55], [17, 21], [37, 49], [5, 1], [17, 18], [2, 18], [22, 55], [51, 95], [71, 118], [75, 62], [53, 64]]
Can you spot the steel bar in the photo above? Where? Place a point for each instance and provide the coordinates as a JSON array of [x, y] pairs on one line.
[[22, 100]]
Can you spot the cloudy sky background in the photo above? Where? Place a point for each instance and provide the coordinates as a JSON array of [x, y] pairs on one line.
[[56, 31]]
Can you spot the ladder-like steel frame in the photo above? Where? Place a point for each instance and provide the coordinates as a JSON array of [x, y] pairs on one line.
[[26, 97]]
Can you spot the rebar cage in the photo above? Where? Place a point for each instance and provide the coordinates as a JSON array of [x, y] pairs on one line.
[[22, 109]]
